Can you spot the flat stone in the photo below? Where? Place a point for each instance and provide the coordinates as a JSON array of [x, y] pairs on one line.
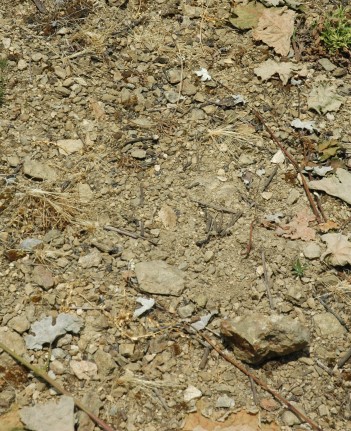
[[126, 349], [22, 64], [188, 88], [293, 197], [326, 324], [90, 260], [69, 146], [50, 416], [105, 363], [174, 76], [296, 294], [340, 72], [43, 277], [39, 171], [85, 193], [84, 370], [326, 64], [186, 310], [157, 277], [172, 96], [138, 154], [192, 393], [29, 244], [312, 251], [257, 337], [19, 323], [197, 114], [15, 342], [225, 402], [290, 419]]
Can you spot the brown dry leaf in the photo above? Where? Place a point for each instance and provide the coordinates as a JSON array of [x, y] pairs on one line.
[[97, 108], [298, 227], [327, 226], [241, 421], [285, 70], [275, 28], [338, 251], [168, 217]]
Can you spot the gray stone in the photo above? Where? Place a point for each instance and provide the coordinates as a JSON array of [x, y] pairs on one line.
[[326, 324], [39, 171], [69, 146], [197, 114], [188, 88], [29, 244], [157, 277], [312, 251], [50, 416], [85, 193], [22, 64], [104, 362], [296, 294], [290, 419], [92, 400], [327, 64], [174, 76], [138, 153], [225, 402], [90, 260], [172, 96], [13, 341], [293, 197], [19, 324], [257, 337], [43, 277], [186, 310]]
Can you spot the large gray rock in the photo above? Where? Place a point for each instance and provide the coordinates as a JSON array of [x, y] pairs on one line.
[[257, 337], [157, 277], [50, 416]]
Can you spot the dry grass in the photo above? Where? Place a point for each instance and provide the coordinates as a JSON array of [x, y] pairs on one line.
[[34, 210]]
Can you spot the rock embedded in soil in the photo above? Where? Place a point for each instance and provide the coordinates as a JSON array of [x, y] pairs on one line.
[[14, 341], [43, 277], [90, 260], [257, 337], [19, 324], [326, 324], [50, 416], [39, 171], [157, 277]]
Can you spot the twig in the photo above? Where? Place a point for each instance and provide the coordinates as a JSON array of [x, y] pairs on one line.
[[216, 207], [266, 281], [43, 375], [128, 233], [328, 308], [261, 383], [342, 361], [293, 162], [253, 389], [324, 367], [270, 178], [204, 359], [40, 6], [249, 244]]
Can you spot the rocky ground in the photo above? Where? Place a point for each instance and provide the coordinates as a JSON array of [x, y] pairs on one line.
[[129, 180]]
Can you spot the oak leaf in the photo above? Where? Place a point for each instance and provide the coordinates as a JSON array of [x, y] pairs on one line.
[[338, 251], [275, 28]]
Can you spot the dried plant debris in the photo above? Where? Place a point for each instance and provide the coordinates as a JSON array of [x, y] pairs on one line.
[[246, 16], [275, 28], [48, 329], [338, 251], [299, 228], [38, 210], [324, 98], [338, 185], [285, 70]]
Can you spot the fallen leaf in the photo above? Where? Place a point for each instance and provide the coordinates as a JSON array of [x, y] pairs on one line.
[[203, 74], [327, 226], [324, 99], [275, 28], [285, 70], [298, 227], [247, 15], [146, 305], [338, 185], [308, 125], [240, 421], [203, 322], [168, 217], [48, 329], [338, 251], [328, 149]]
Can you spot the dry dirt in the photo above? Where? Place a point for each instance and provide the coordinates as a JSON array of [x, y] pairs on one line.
[[153, 143]]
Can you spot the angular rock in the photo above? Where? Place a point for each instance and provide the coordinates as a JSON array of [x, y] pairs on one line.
[[84, 370], [50, 416], [19, 323], [104, 362], [69, 146], [312, 251], [92, 400], [157, 277], [39, 171], [174, 76], [85, 193], [257, 337], [90, 260], [14, 341], [43, 277], [326, 324]]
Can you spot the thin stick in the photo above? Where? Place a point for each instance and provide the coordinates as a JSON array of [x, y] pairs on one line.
[[216, 207], [128, 233], [254, 392], [270, 178], [204, 359], [249, 244], [43, 375], [266, 281], [261, 383], [40, 6], [342, 361]]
